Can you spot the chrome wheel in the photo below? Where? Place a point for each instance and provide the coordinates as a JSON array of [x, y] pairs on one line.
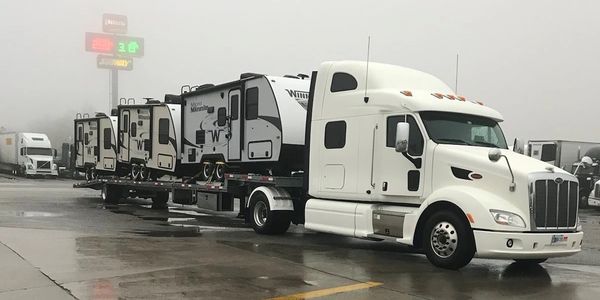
[[206, 171], [260, 213], [220, 171], [135, 172], [444, 239]]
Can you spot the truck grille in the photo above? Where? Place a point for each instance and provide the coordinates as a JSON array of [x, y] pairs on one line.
[[43, 165], [554, 204]]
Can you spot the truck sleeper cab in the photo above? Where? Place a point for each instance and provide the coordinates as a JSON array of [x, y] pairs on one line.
[[409, 161], [147, 138], [95, 145]]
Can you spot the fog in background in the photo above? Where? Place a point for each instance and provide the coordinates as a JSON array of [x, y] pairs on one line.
[[537, 62]]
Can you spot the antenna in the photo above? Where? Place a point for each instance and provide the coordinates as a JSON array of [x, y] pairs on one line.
[[367, 74], [456, 76]]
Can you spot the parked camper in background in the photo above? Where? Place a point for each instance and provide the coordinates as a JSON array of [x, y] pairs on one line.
[[147, 137], [27, 154], [254, 124], [561, 153], [95, 144]]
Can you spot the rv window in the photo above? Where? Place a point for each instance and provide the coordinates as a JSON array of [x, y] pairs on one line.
[[252, 103], [415, 138], [221, 116], [133, 129], [235, 104], [163, 131], [125, 123], [335, 135], [107, 138], [87, 139], [548, 152], [343, 82]]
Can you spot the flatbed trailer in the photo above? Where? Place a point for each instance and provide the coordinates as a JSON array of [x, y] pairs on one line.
[[233, 186]]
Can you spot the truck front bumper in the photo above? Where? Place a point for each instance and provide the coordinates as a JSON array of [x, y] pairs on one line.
[[518, 245], [36, 172]]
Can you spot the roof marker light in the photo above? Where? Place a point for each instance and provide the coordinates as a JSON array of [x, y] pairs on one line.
[[407, 93], [479, 102], [451, 97], [438, 95], [461, 98]]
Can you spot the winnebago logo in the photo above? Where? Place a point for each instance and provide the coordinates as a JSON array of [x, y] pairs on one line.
[[299, 95], [196, 107]]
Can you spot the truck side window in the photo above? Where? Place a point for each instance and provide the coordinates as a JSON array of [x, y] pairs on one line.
[[107, 138], [415, 143], [163, 131], [343, 82], [335, 135], [252, 103], [133, 129], [235, 104]]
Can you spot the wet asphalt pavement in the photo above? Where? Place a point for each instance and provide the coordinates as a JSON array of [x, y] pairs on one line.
[[57, 242]]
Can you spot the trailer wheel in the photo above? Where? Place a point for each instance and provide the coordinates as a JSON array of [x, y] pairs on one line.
[[93, 173], [135, 172], [448, 240], [583, 198], [110, 194], [206, 171], [144, 173], [88, 174], [160, 200], [220, 171], [266, 221]]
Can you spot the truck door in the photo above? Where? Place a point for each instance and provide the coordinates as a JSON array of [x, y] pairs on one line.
[[79, 145], [399, 174], [124, 137], [235, 134]]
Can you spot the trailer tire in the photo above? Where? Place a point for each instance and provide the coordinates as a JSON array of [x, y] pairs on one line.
[[448, 240], [160, 200], [266, 221], [110, 195]]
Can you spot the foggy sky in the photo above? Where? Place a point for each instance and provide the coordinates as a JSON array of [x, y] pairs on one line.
[[537, 62]]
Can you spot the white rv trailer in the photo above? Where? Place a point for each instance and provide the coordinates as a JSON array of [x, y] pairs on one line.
[[406, 161], [147, 137], [561, 153], [253, 124], [27, 154], [95, 144]]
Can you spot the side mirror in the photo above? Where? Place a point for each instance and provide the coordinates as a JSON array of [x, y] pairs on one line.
[[402, 133], [494, 155], [222, 116], [519, 146], [54, 153]]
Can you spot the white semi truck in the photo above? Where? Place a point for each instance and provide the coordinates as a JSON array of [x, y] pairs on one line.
[[27, 154], [401, 158]]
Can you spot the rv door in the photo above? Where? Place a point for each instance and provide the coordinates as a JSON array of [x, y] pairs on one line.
[[124, 147], [79, 144], [235, 134]]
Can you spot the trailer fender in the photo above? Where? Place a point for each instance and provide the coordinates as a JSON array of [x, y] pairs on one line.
[[279, 199]]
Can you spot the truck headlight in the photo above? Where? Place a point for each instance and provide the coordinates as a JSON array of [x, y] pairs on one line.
[[507, 218], [30, 167], [53, 166]]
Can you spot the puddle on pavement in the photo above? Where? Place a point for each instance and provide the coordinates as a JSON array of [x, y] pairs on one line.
[[29, 214], [194, 232]]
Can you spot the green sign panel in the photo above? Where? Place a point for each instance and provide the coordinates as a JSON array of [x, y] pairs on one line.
[[129, 46]]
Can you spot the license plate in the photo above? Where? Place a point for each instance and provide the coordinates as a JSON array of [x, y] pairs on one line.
[[559, 238]]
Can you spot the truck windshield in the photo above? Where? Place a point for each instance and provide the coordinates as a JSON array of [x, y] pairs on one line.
[[463, 129], [39, 151]]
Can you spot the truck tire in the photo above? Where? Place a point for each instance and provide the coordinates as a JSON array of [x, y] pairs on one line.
[[264, 220], [448, 240], [160, 200], [531, 261], [110, 194]]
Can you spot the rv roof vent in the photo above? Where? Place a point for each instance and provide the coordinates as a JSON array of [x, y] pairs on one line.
[[186, 88], [114, 112], [291, 76], [170, 98], [204, 86], [100, 114], [122, 101], [151, 101], [302, 76], [249, 75], [78, 116]]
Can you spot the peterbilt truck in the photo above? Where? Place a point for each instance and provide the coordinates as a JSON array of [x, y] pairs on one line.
[[402, 158], [27, 154]]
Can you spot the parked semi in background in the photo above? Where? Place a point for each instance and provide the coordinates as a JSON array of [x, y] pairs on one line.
[[404, 160], [27, 154], [560, 153]]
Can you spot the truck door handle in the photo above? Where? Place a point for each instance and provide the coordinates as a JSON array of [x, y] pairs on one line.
[[384, 186]]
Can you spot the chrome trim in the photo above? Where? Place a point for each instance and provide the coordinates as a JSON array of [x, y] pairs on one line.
[[533, 178]]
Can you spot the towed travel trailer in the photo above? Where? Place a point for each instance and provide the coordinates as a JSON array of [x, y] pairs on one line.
[[147, 137], [95, 144], [27, 154], [254, 124], [561, 153], [406, 161]]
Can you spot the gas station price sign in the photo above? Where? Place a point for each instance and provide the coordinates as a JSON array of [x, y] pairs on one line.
[[114, 44], [114, 63]]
